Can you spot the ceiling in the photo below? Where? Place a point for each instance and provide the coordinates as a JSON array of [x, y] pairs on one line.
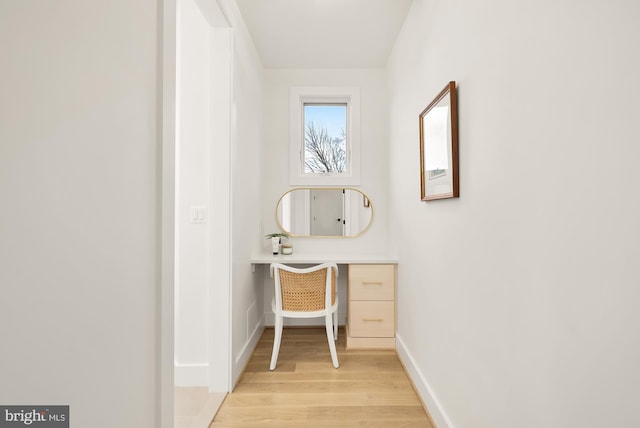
[[324, 33]]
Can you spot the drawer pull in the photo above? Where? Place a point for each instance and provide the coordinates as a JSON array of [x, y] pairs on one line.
[[372, 283], [372, 319]]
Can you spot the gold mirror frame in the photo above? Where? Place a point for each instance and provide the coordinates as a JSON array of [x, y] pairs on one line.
[[361, 202], [439, 147]]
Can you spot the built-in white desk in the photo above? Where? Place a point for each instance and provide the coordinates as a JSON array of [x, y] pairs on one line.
[[309, 258], [371, 293]]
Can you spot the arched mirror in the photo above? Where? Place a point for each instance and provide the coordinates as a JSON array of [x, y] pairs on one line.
[[324, 212]]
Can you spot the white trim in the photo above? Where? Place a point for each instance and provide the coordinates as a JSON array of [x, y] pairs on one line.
[[167, 112], [191, 374], [167, 115], [299, 95], [426, 393], [247, 350], [220, 225]]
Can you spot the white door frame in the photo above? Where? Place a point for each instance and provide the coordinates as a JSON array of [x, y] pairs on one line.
[[220, 213], [168, 116], [220, 360]]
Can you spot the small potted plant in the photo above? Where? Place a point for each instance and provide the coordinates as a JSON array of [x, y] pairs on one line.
[[275, 240]]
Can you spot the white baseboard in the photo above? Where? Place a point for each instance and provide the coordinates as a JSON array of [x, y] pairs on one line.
[[191, 375], [436, 411], [245, 354]]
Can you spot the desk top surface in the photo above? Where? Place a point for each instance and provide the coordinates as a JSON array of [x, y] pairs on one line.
[[304, 258]]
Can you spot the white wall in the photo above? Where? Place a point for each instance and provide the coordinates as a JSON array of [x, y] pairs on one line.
[[193, 255], [374, 168], [246, 138], [79, 185], [517, 302], [374, 164], [223, 180], [203, 267]]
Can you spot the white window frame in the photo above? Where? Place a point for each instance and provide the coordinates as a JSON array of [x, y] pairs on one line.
[[301, 95]]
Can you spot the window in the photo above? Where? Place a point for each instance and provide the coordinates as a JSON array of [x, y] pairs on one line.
[[325, 136]]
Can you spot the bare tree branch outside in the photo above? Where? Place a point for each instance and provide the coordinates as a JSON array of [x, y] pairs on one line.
[[324, 153]]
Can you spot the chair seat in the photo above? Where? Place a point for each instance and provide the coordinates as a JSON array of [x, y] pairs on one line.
[[309, 314]]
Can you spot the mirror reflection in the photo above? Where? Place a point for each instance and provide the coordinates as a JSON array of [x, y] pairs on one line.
[[313, 212]]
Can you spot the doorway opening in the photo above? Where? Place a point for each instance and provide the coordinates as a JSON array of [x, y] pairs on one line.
[[195, 299]]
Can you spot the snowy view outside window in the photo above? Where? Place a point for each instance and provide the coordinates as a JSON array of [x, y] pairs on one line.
[[325, 141]]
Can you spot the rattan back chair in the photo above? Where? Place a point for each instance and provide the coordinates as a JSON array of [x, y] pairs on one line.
[[305, 293]]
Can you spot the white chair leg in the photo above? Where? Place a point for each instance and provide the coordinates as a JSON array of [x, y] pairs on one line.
[[332, 345], [276, 342], [335, 325]]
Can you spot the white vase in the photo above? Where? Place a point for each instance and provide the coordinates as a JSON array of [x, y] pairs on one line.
[[275, 244]]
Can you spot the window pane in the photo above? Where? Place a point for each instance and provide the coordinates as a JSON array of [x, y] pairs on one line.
[[325, 138]]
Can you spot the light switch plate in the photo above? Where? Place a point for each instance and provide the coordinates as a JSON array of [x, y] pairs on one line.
[[198, 214]]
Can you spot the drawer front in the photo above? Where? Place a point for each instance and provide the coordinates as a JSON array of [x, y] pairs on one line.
[[372, 319], [372, 282]]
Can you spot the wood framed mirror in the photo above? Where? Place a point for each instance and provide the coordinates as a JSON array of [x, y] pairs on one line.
[[439, 147]]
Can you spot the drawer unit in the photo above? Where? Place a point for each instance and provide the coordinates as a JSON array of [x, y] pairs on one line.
[[374, 282], [372, 319], [371, 312]]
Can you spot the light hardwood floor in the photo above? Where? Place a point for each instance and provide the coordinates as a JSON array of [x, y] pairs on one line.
[[195, 406], [370, 389]]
